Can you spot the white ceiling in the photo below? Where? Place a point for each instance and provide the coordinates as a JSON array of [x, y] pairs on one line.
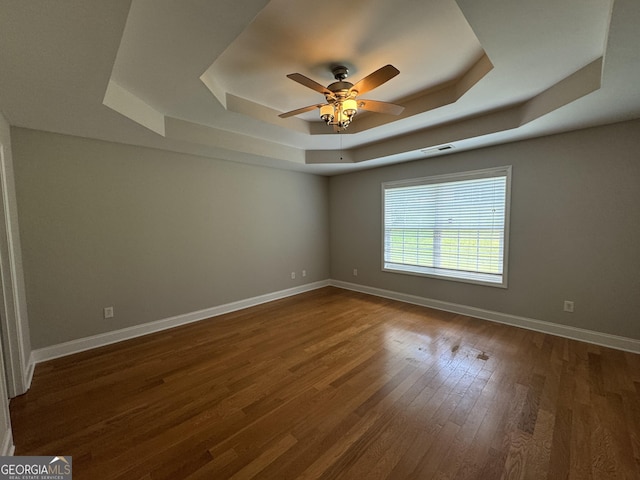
[[209, 78]]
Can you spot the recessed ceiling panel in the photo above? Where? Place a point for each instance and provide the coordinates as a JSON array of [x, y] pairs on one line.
[[429, 42]]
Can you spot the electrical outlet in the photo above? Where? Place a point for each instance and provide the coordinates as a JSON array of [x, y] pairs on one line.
[[108, 312], [568, 306], [304, 273], [355, 272], [293, 275]]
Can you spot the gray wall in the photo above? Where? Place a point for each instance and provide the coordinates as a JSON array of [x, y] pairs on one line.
[[155, 234], [158, 234], [575, 229]]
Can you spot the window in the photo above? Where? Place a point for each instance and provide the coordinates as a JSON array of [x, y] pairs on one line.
[[450, 226]]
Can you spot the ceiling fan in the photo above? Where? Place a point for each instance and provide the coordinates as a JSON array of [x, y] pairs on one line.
[[341, 96]]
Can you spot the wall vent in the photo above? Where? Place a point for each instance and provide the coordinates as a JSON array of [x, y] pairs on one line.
[[437, 149]]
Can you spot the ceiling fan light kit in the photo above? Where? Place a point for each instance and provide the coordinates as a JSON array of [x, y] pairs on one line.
[[341, 96], [339, 112]]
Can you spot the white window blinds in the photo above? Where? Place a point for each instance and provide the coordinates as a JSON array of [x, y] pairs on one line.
[[452, 226]]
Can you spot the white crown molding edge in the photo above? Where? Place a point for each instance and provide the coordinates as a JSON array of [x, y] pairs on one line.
[[108, 338], [574, 333]]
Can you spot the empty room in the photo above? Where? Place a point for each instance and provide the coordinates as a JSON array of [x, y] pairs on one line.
[[310, 240]]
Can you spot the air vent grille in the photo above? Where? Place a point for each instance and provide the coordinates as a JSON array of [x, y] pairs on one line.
[[437, 149]]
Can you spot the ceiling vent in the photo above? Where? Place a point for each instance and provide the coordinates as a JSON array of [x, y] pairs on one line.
[[437, 149]]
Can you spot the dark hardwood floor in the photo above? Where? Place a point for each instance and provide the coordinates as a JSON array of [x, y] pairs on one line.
[[335, 384]]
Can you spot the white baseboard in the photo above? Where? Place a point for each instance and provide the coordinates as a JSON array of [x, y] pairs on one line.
[[8, 448], [589, 336], [95, 341]]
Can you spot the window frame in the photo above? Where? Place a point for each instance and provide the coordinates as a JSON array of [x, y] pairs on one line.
[[440, 273]]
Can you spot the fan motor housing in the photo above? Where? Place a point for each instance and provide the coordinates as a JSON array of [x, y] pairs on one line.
[[336, 87]]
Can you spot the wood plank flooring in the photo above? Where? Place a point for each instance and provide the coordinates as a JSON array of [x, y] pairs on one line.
[[333, 384]]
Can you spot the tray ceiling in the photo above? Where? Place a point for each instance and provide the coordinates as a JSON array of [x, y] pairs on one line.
[[209, 78]]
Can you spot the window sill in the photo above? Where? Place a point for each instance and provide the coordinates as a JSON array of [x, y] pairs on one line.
[[490, 280]]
